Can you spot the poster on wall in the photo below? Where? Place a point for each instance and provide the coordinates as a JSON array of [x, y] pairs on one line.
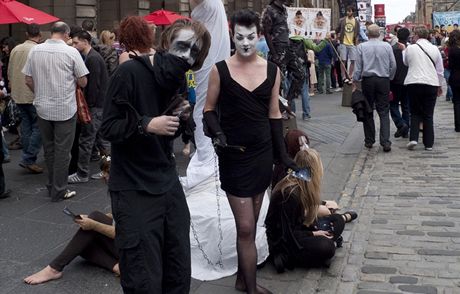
[[313, 23], [446, 20]]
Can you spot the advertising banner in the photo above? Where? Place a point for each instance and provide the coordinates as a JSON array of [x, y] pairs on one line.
[[312, 23], [446, 20]]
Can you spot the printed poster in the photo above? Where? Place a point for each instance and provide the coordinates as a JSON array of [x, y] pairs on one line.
[[313, 23], [446, 19]]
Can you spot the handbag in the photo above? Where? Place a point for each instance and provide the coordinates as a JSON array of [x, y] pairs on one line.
[[84, 117]]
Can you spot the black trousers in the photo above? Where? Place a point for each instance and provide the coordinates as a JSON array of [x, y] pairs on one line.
[[92, 246], [422, 102], [376, 91], [2, 175], [290, 64], [317, 250], [152, 236], [456, 101]]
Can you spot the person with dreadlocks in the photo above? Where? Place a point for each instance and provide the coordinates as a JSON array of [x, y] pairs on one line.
[[301, 230]]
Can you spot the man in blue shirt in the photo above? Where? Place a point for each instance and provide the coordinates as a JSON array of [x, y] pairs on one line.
[[375, 67], [324, 69]]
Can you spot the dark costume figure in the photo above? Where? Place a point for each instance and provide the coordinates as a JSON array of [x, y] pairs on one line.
[[141, 119], [276, 32]]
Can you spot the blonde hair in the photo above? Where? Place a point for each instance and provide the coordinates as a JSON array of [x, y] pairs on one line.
[[308, 193], [107, 38]]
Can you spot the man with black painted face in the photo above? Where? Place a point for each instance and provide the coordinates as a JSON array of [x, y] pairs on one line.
[[148, 203], [247, 134], [277, 35]]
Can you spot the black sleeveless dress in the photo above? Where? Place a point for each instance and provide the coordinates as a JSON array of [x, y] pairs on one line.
[[244, 121]]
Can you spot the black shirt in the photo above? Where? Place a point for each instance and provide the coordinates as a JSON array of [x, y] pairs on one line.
[[98, 79], [454, 66], [138, 92], [401, 68]]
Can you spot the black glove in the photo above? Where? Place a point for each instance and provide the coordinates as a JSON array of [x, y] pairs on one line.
[[279, 147], [212, 129]]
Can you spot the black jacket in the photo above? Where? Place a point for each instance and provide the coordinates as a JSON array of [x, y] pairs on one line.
[[138, 92], [360, 106], [98, 79]]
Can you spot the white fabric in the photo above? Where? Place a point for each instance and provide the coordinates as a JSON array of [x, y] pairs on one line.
[[200, 182], [212, 14], [421, 69]]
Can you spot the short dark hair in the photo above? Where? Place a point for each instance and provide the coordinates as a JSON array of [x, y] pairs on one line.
[[83, 35], [74, 29], [33, 30], [351, 7], [403, 34], [60, 27], [246, 18], [455, 24], [87, 25]]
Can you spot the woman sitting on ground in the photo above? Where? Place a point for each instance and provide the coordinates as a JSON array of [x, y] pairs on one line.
[[94, 241], [300, 230]]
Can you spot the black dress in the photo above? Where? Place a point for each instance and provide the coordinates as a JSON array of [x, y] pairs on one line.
[[244, 121]]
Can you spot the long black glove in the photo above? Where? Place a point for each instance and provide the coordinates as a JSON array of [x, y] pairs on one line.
[[212, 129], [279, 147]]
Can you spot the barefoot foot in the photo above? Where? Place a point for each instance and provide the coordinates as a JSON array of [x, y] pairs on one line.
[[240, 285], [43, 276]]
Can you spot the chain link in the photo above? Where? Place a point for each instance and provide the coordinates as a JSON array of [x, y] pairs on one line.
[[219, 223]]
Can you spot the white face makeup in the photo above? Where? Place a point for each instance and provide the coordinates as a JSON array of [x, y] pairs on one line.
[[185, 46], [245, 40]]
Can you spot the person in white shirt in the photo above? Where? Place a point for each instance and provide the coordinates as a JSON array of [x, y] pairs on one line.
[[423, 80]]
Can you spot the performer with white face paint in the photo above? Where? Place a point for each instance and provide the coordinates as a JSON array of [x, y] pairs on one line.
[[246, 135]]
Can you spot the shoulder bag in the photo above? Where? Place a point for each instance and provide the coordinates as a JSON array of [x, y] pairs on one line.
[[84, 117]]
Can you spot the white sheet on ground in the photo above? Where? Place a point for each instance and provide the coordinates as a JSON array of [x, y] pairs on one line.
[[200, 182]]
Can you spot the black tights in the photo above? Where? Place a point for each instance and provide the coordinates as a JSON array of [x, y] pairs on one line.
[[246, 213], [91, 245]]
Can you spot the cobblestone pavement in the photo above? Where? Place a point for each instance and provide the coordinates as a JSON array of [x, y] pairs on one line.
[[407, 237]]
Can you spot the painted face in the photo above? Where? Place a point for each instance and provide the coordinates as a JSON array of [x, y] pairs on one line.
[[245, 40], [186, 46]]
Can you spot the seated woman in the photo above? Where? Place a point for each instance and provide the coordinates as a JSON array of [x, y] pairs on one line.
[[299, 231], [94, 241]]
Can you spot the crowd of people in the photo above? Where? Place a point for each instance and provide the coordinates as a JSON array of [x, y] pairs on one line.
[[139, 97]]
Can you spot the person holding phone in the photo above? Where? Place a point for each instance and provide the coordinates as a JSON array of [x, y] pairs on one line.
[[301, 229], [94, 241]]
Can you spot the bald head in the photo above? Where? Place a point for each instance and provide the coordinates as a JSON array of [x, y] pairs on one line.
[[373, 31]]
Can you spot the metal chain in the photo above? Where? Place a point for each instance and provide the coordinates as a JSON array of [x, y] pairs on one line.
[[219, 223]]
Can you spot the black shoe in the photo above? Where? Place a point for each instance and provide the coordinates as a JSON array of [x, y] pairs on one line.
[[279, 261], [387, 148], [368, 145], [402, 131], [5, 194], [350, 216], [339, 242]]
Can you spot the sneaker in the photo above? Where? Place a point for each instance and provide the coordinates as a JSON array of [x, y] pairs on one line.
[[368, 145], [6, 159], [5, 194], [97, 176], [387, 148], [328, 92], [75, 179], [429, 148], [411, 145], [69, 194], [338, 89], [306, 117], [402, 131]]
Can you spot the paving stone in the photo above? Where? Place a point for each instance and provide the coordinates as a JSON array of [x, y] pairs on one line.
[[428, 213], [439, 252], [379, 221], [440, 202], [403, 280], [418, 289], [438, 224], [444, 234], [409, 194], [376, 255], [411, 233], [369, 269]]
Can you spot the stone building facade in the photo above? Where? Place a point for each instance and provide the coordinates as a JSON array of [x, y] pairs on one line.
[[108, 13], [425, 8]]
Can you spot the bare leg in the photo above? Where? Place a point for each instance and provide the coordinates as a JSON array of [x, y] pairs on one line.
[[43, 276], [351, 69], [344, 69], [246, 212]]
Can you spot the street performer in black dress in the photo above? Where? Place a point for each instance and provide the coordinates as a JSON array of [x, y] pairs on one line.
[[247, 134]]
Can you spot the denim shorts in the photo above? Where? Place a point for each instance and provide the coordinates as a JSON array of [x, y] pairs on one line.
[[347, 52]]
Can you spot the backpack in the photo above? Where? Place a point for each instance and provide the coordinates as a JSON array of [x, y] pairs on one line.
[[110, 57]]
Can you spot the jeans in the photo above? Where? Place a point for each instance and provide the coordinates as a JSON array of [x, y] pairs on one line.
[[422, 102], [305, 99], [376, 91], [30, 134], [449, 93], [400, 96], [88, 133], [2, 175], [5, 150], [57, 139], [324, 73]]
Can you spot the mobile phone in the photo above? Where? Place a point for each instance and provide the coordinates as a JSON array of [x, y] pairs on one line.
[[68, 212]]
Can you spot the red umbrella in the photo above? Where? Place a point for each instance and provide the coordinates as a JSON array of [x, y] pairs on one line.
[[163, 17], [14, 12]]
